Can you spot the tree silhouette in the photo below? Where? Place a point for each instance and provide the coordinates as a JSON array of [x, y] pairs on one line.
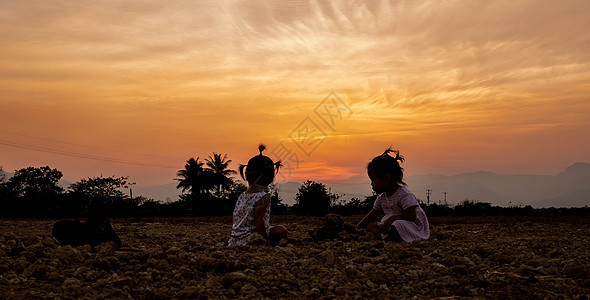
[[313, 199], [101, 195], [33, 191], [221, 179], [194, 178], [198, 181], [32, 181], [353, 206]]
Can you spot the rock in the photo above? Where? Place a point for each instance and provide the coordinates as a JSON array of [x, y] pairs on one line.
[[341, 290], [378, 276], [106, 249], [214, 282], [256, 239], [329, 228], [189, 292], [328, 257], [249, 289], [230, 278], [351, 272], [68, 255], [163, 265], [124, 281], [14, 247], [173, 250], [92, 275], [71, 281], [4, 268], [236, 286], [459, 269], [156, 253], [55, 277], [315, 292], [39, 250], [283, 243], [81, 271], [36, 270], [576, 269], [108, 263]]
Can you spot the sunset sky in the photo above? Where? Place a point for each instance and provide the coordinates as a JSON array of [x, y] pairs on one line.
[[130, 88]]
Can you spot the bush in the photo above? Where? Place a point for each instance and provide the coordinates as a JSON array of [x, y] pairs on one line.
[[354, 206], [313, 199]]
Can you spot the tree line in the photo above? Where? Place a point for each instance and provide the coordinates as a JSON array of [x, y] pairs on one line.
[[207, 188]]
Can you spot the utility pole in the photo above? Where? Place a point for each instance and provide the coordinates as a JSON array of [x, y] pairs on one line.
[[428, 192]]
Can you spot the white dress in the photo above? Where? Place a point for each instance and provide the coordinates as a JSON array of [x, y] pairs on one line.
[[243, 218], [401, 200]]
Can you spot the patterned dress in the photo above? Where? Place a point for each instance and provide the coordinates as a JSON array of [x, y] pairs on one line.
[[401, 200], [243, 218]]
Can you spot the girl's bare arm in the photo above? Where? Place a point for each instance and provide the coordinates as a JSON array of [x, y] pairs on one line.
[[261, 207], [370, 217]]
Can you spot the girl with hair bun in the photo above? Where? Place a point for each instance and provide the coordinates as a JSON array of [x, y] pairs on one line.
[[252, 210], [404, 219]]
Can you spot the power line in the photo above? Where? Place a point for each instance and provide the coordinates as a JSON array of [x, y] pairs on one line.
[[80, 145], [84, 156]]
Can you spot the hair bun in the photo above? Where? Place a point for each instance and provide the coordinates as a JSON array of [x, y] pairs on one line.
[[397, 156], [261, 148]]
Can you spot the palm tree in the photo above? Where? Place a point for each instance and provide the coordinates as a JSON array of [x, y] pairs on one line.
[[194, 178], [218, 165]]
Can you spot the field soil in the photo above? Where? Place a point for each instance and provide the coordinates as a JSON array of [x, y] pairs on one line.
[[188, 258]]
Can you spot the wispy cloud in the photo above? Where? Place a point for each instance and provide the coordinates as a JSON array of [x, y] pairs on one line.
[[420, 71]]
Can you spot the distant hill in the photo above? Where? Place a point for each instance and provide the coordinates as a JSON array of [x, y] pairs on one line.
[[567, 189], [6, 174], [164, 193]]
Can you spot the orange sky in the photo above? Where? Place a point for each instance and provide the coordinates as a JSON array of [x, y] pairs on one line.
[[457, 86]]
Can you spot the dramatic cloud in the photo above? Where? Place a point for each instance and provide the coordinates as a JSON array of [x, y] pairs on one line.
[[457, 85]]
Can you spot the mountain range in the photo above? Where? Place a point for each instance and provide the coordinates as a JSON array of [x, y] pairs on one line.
[[570, 188]]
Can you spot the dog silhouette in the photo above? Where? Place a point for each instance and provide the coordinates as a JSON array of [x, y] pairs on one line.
[[75, 233]]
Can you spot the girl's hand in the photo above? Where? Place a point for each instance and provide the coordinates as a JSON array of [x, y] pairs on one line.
[[370, 217], [384, 226], [360, 225]]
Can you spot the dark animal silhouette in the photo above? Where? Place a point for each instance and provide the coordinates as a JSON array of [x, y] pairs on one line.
[[95, 231]]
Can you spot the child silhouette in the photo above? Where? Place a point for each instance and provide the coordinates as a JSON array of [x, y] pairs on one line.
[[403, 219], [252, 211]]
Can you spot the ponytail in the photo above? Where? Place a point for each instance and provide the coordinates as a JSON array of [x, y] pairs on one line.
[[385, 163], [397, 156]]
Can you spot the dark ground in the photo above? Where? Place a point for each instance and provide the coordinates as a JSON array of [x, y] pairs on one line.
[[469, 257]]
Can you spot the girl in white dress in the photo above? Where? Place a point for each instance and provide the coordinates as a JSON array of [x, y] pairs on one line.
[[252, 210], [404, 219]]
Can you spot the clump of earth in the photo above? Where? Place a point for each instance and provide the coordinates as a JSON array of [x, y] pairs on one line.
[[188, 258]]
